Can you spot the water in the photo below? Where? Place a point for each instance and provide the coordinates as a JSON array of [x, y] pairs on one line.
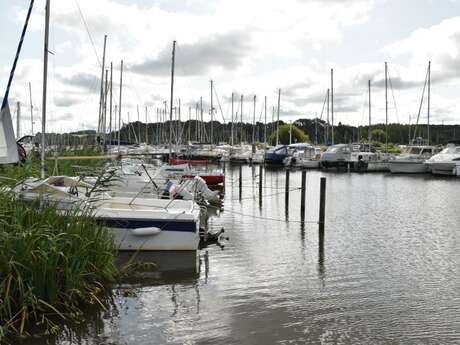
[[389, 271]]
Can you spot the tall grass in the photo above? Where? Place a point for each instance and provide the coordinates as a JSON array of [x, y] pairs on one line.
[[51, 264]]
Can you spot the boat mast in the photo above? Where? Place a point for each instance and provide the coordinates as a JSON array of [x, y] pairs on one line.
[[265, 121], [386, 107], [45, 84], [31, 109], [332, 104], [201, 122], [119, 106], [171, 98], [146, 126], [18, 119], [327, 120], [111, 100], [212, 118], [254, 124], [429, 94], [369, 103], [231, 128], [278, 120], [189, 122], [241, 115], [101, 96]]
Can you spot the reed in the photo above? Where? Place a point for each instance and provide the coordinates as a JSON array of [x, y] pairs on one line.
[[52, 264]]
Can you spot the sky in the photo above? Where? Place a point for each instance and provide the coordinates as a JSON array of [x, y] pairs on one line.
[[250, 48]]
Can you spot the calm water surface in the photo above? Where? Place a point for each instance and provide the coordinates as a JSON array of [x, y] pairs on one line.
[[389, 272]]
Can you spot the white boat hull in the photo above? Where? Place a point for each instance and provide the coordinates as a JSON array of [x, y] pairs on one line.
[[126, 239], [408, 167], [446, 168]]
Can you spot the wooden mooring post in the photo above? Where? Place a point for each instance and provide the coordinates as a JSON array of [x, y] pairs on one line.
[[286, 199], [322, 207], [240, 182], [260, 185], [302, 195]]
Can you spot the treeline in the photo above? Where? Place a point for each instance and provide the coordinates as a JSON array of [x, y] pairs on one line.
[[216, 132]]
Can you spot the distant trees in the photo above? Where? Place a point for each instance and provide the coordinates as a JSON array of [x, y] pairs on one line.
[[298, 135]]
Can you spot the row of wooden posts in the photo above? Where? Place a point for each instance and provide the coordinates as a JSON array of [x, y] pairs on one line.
[[322, 196]]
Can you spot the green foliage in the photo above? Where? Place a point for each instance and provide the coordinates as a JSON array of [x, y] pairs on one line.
[[51, 264], [298, 136], [378, 135]]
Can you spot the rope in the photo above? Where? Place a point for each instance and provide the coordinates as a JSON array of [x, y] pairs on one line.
[[87, 31], [264, 196], [18, 52], [272, 219]]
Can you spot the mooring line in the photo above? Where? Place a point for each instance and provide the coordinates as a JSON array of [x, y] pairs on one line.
[[273, 219], [264, 196]]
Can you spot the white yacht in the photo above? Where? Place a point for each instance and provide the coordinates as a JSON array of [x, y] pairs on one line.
[[412, 160], [136, 223], [336, 156], [303, 156], [445, 162], [364, 157]]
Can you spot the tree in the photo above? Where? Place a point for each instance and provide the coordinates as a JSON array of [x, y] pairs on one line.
[[298, 135], [378, 135]]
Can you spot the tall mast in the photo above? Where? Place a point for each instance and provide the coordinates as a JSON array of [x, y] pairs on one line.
[[189, 122], [278, 120], [327, 121], [45, 84], [31, 109], [111, 100], [254, 122], [197, 122], [171, 97], [101, 96], [146, 126], [212, 117], [18, 120], [241, 115], [201, 124], [429, 95], [386, 107], [265, 122], [106, 88], [231, 128], [332, 104], [369, 103], [119, 105]]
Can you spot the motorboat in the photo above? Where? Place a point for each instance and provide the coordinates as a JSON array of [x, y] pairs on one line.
[[365, 158], [303, 156], [445, 162], [336, 156], [146, 224], [412, 160], [276, 155]]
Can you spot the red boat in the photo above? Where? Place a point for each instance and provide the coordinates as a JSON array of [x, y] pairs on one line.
[[210, 179], [174, 161]]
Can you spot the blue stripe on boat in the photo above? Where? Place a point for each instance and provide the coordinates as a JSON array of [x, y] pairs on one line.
[[164, 225]]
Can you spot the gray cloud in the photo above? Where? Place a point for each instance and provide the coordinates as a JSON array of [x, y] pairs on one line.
[[83, 80], [225, 50], [66, 100]]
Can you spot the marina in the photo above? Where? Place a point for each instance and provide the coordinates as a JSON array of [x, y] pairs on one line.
[[144, 212]]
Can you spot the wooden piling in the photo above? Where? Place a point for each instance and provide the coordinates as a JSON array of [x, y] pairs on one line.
[[322, 207], [302, 195], [286, 200], [260, 185], [240, 181]]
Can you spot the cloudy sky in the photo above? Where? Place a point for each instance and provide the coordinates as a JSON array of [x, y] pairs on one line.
[[246, 47]]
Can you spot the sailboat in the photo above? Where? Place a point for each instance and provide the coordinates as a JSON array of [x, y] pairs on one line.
[[414, 156]]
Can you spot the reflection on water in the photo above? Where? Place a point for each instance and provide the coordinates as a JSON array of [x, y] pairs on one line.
[[386, 272]]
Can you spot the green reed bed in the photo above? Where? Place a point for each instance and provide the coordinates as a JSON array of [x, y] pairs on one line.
[[52, 265]]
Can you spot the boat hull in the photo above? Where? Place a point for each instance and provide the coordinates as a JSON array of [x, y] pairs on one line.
[[447, 168], [408, 167]]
